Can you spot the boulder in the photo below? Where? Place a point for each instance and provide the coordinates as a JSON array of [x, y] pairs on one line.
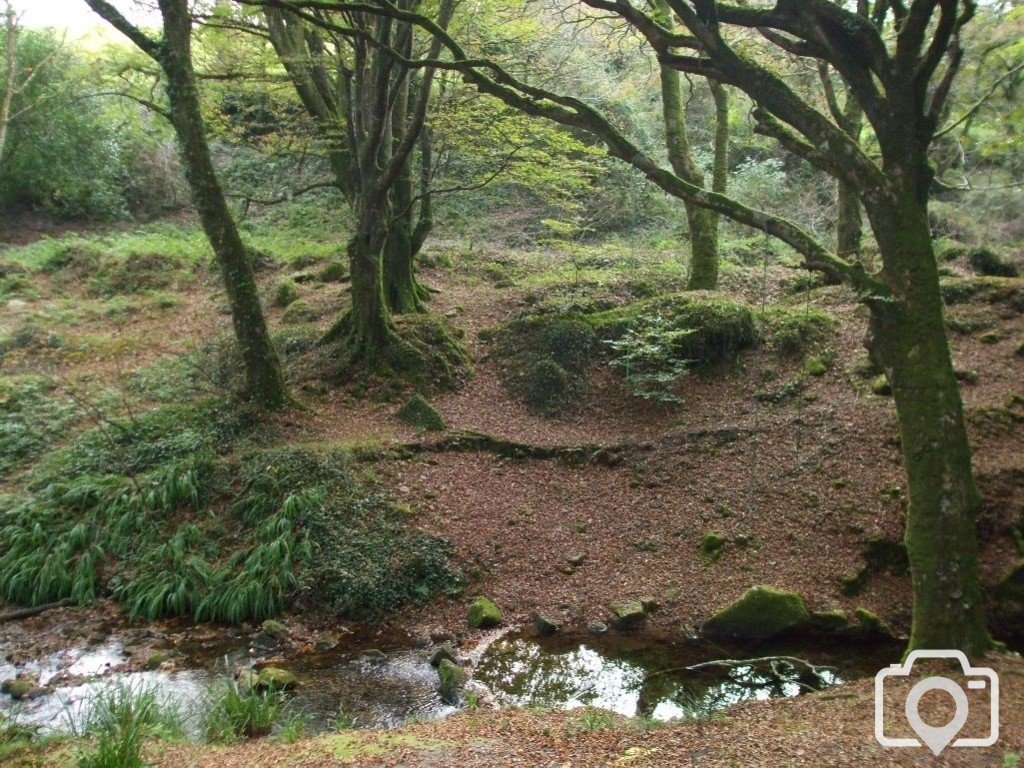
[[278, 679], [597, 627], [275, 629], [544, 625], [452, 680], [761, 613], [18, 688], [247, 680], [419, 413], [483, 614], [443, 652], [628, 614], [326, 642]]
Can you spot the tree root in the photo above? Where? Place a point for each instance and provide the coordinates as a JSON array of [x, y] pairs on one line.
[[24, 613]]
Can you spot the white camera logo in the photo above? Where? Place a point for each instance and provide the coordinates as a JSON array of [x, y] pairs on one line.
[[938, 738]]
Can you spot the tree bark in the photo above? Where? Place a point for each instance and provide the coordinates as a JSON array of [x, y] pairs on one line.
[[265, 380], [907, 339], [849, 226]]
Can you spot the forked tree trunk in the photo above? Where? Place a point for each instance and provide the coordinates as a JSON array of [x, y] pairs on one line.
[[368, 326], [403, 291], [908, 340], [264, 378]]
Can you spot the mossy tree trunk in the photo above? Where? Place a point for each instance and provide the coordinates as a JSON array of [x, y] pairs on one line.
[[908, 341], [264, 378], [702, 222]]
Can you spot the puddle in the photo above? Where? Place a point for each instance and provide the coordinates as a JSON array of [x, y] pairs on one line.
[[653, 682], [628, 675]]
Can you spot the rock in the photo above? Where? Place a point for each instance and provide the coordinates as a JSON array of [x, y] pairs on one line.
[[417, 412], [829, 622], [326, 642], [443, 652], [870, 625], [597, 627], [440, 635], [420, 640], [576, 560], [544, 625], [334, 272], [373, 655], [299, 311], [155, 659], [453, 678], [763, 612], [650, 604], [483, 614], [18, 688], [275, 629], [628, 614], [880, 385], [278, 679], [247, 680]]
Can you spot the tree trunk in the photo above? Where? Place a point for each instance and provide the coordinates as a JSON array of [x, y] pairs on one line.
[[849, 228], [369, 330], [907, 339], [703, 247], [264, 378]]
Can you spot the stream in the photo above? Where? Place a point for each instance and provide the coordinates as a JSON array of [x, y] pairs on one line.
[[628, 674]]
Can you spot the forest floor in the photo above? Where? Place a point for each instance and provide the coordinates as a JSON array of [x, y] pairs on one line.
[[796, 472]]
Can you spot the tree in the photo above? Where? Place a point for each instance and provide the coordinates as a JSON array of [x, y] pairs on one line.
[[173, 53], [901, 82], [703, 222], [18, 75]]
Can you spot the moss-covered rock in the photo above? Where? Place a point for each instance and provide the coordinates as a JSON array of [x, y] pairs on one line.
[[278, 679], [483, 614], [795, 330], [452, 679], [880, 385], [155, 660], [18, 688], [286, 292], [815, 366], [869, 625], [991, 337], [761, 613], [712, 546], [333, 272], [247, 680], [549, 387], [275, 629], [299, 311], [880, 554], [628, 614], [987, 262], [829, 622], [419, 413], [442, 652]]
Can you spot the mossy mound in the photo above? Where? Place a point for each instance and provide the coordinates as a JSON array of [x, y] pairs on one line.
[[549, 387], [483, 614], [762, 613], [987, 262], [880, 385], [719, 327], [418, 413], [286, 292], [299, 311], [711, 546], [277, 679], [1008, 291], [796, 330], [452, 680], [333, 272]]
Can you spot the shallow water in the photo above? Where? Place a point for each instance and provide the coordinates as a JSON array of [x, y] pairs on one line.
[[626, 674]]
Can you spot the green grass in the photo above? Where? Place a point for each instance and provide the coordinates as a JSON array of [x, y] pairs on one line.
[[230, 714], [34, 415]]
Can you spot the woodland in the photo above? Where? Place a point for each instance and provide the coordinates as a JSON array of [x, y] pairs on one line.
[[467, 382]]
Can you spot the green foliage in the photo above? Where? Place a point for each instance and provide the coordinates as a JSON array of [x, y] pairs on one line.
[[121, 718], [33, 416], [285, 292], [569, 342], [230, 714], [420, 414], [795, 330], [647, 353], [549, 387]]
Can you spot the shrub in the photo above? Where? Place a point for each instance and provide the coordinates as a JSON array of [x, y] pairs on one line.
[[570, 343], [988, 263], [647, 353], [285, 293], [549, 387]]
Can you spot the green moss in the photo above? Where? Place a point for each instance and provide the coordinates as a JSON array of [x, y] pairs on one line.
[[880, 385], [761, 613], [992, 290], [420, 414], [815, 366], [795, 330], [155, 659], [286, 292], [991, 337], [987, 262], [278, 679], [549, 387], [830, 622], [483, 614], [712, 546], [333, 272], [452, 679], [299, 312], [871, 625]]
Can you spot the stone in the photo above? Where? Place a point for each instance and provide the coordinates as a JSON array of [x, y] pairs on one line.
[[872, 626], [326, 641], [452, 680], [155, 659], [278, 679], [829, 622], [628, 614], [597, 627], [576, 560], [761, 613], [483, 614], [247, 680], [650, 604], [373, 655], [440, 635], [275, 629], [299, 311], [441, 653], [18, 688], [544, 625], [880, 385]]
